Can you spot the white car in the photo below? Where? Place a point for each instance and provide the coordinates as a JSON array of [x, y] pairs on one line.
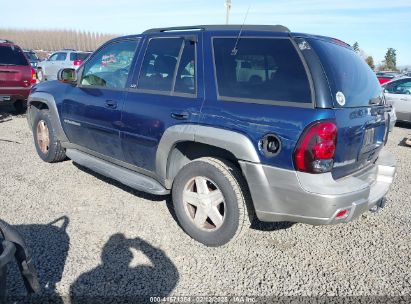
[[48, 69], [398, 93]]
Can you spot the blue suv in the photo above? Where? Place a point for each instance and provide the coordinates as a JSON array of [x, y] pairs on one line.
[[234, 122]]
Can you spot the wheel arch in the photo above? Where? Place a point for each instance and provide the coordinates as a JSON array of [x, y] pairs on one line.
[[182, 143], [44, 101]]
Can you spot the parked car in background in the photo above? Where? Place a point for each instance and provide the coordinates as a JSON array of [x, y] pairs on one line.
[[48, 69], [384, 77], [16, 75], [32, 58], [398, 93], [262, 124]]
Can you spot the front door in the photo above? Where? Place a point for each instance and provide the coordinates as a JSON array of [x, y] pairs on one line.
[[54, 64], [165, 91], [92, 109]]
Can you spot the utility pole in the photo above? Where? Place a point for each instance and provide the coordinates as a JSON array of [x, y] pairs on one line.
[[228, 8]]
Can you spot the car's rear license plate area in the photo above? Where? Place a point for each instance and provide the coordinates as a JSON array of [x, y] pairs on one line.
[[5, 98]]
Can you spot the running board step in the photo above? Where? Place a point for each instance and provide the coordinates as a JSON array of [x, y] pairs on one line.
[[125, 176]]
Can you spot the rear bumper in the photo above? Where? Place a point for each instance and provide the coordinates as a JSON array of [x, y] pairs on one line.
[[286, 195], [11, 95]]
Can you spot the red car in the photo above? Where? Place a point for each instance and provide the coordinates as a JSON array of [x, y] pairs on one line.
[[16, 76], [384, 77]]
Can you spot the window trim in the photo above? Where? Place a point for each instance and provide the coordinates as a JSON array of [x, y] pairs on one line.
[[172, 92], [109, 43], [266, 101]]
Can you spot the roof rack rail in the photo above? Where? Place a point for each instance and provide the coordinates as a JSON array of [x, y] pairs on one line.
[[266, 28], [5, 41], [68, 50]]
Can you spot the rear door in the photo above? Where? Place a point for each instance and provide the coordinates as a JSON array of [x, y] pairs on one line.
[[165, 91], [361, 116], [92, 109], [15, 69]]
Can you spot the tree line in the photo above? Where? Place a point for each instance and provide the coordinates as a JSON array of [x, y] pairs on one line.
[[53, 40], [388, 64]]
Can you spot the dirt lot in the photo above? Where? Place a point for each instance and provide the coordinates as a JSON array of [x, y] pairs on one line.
[[92, 236]]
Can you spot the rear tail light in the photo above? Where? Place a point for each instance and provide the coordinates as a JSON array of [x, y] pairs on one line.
[[316, 148], [77, 62], [33, 79]]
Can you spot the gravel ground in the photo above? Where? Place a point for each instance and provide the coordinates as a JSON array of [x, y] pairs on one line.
[[92, 236]]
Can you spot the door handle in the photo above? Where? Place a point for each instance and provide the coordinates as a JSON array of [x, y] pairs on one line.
[[404, 99], [180, 116], [111, 104]]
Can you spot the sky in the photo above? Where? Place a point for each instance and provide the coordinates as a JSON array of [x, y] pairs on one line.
[[375, 24]]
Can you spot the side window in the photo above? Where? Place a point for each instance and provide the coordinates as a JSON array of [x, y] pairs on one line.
[[264, 69], [159, 64], [186, 74], [109, 67], [61, 56], [53, 57], [399, 87]]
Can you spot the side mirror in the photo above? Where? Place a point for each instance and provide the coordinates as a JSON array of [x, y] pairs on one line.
[[67, 75]]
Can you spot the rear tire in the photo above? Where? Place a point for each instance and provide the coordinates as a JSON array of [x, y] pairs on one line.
[[210, 201], [47, 145]]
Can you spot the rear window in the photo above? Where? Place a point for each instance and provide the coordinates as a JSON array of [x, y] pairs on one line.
[[263, 70], [11, 55], [79, 56], [347, 73]]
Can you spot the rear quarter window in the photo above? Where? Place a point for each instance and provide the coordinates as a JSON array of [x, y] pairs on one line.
[[263, 70], [12, 55], [347, 73]]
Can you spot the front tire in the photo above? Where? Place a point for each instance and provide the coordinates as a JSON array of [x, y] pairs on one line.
[[209, 197], [47, 145]]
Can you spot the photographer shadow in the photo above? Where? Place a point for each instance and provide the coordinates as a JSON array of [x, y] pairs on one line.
[[125, 277]]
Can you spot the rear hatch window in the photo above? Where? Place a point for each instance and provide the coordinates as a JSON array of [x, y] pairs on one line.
[[348, 74], [360, 113], [79, 56], [11, 55]]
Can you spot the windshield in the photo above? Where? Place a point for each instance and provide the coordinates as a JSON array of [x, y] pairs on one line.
[[11, 55], [348, 74], [31, 56]]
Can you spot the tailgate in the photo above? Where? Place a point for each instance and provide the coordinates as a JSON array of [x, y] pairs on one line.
[[361, 135], [357, 100], [15, 76]]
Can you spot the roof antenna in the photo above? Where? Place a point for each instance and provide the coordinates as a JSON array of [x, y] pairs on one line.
[[234, 51]]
